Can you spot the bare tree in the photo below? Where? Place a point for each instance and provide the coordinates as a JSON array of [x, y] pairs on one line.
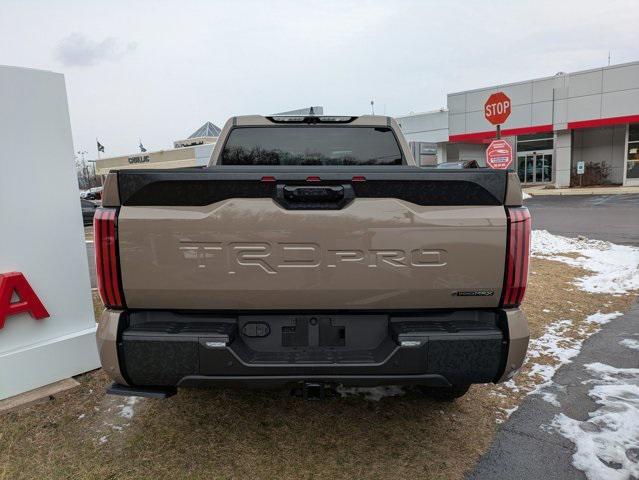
[[87, 177]]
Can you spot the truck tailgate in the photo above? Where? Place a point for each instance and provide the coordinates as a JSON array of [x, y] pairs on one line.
[[234, 239]]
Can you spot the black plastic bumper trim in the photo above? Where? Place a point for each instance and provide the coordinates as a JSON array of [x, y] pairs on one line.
[[198, 381], [147, 392]]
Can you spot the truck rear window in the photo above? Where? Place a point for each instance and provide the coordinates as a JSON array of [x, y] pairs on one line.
[[310, 145]]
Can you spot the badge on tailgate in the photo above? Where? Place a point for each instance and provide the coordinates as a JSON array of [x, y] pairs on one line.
[[276, 257]]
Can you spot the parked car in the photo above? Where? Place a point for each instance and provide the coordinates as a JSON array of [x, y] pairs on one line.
[[311, 251], [88, 211], [94, 193], [460, 164]]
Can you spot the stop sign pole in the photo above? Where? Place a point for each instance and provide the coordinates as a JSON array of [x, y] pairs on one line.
[[497, 110], [499, 153]]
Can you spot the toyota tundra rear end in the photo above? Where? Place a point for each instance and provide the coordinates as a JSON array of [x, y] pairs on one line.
[[311, 250]]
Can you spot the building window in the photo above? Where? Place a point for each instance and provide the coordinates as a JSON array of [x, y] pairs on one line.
[[632, 165], [533, 143]]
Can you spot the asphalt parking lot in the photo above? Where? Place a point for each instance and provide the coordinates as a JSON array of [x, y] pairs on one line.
[[614, 218]]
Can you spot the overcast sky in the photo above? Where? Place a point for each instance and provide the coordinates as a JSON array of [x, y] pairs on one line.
[[158, 70]]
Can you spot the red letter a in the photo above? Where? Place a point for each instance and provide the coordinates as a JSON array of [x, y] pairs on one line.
[[28, 301]]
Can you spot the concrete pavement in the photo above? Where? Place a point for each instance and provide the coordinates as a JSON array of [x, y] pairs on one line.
[[616, 190]]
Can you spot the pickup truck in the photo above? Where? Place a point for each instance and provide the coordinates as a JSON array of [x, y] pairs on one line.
[[311, 251]]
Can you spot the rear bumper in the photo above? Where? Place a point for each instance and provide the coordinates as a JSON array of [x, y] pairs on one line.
[[161, 348]]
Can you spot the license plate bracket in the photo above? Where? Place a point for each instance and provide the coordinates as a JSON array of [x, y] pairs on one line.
[[317, 331]]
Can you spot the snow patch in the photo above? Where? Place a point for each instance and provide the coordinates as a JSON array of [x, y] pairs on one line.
[[507, 413], [126, 411], [510, 411], [556, 347], [550, 397], [630, 343], [602, 318], [615, 267], [374, 394], [607, 444]]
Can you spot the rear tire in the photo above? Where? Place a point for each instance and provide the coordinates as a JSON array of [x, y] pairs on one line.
[[445, 394]]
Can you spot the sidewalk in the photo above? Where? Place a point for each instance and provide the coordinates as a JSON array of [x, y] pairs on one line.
[[616, 190]]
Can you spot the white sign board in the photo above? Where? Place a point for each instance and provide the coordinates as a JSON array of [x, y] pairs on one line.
[[581, 168], [41, 237]]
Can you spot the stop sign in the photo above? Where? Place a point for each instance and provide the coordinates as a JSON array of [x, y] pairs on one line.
[[499, 154], [497, 108]]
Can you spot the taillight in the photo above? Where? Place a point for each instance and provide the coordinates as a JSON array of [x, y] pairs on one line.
[[106, 260], [517, 255]]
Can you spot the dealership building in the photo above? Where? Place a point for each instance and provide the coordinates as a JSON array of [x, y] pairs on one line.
[[590, 116], [190, 152]]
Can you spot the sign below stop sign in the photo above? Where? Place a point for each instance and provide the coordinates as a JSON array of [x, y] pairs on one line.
[[497, 108], [499, 154]]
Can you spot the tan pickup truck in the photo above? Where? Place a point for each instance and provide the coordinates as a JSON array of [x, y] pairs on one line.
[[311, 251]]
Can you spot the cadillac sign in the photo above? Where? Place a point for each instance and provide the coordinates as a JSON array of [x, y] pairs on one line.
[[139, 159]]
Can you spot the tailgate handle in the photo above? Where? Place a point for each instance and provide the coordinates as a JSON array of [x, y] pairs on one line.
[[316, 197], [332, 193]]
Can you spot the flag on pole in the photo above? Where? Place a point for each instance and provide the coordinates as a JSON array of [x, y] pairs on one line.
[[100, 146], [142, 149]]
